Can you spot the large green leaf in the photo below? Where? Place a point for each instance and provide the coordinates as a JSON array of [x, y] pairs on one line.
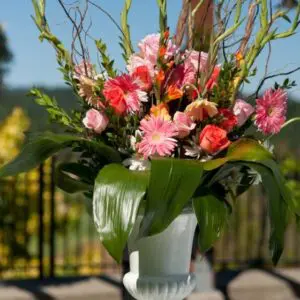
[[212, 215], [292, 202], [117, 196], [277, 208], [73, 178], [243, 149], [39, 147], [172, 184]]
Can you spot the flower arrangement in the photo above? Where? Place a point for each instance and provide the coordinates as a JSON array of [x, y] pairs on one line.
[[170, 131]]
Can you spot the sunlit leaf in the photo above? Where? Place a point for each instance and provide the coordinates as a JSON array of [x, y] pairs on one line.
[[117, 196]]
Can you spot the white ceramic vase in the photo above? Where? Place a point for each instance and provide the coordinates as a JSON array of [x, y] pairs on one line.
[[159, 265]]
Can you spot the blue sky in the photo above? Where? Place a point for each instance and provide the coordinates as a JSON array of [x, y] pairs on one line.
[[34, 62]]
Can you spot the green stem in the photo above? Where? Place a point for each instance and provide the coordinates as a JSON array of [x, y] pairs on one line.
[[287, 123]]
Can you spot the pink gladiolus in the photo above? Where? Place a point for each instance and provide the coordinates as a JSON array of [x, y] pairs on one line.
[[182, 75], [184, 124], [271, 111], [95, 120], [197, 59], [149, 48], [158, 137]]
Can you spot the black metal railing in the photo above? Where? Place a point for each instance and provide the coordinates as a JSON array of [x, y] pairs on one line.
[[45, 233]]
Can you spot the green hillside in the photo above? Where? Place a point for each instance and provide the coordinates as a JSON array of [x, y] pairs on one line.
[[288, 139]]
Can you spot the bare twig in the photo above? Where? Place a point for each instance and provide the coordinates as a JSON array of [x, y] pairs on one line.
[[273, 76], [78, 30], [108, 15]]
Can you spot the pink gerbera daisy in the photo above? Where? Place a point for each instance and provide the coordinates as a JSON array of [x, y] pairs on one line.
[[158, 137], [271, 111], [124, 94]]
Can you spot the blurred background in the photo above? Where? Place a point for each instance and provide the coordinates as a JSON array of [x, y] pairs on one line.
[[45, 233]]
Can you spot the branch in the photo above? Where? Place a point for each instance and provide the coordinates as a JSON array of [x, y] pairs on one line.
[[108, 15], [78, 33], [181, 24], [273, 76]]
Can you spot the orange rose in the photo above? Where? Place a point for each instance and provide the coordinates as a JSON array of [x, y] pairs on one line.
[[213, 139]]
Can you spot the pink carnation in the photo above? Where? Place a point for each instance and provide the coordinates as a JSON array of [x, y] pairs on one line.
[[135, 61], [158, 137], [271, 111], [95, 120], [243, 111], [184, 124], [124, 95]]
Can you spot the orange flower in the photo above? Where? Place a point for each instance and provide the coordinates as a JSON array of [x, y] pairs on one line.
[[170, 64], [238, 56], [160, 76], [201, 109], [173, 93], [162, 51], [167, 34], [161, 110]]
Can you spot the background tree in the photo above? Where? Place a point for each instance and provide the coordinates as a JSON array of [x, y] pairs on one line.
[[5, 55]]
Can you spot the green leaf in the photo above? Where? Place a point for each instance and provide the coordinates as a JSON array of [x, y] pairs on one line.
[[277, 208], [172, 184], [297, 222], [285, 17], [292, 202], [125, 38], [40, 146], [162, 5], [118, 193], [73, 178], [244, 149], [212, 215]]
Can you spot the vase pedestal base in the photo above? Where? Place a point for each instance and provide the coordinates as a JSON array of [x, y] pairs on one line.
[[175, 287]]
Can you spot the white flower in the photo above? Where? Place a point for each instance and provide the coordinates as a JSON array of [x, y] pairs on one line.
[[134, 139], [136, 164]]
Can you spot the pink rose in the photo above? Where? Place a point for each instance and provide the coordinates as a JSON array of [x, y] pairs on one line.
[[184, 124], [95, 120], [243, 111]]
